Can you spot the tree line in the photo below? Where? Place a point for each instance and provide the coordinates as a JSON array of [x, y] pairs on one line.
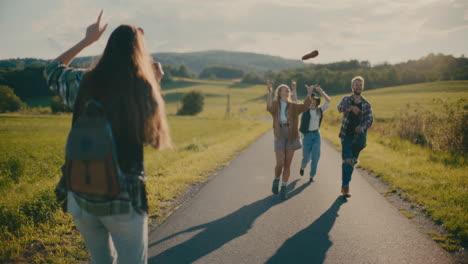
[[29, 82], [336, 77]]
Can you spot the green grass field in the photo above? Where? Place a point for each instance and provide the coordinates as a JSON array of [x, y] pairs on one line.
[[417, 173], [242, 96], [34, 229], [388, 102]]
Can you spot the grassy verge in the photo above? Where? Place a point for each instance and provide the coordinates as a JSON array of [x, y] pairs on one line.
[[32, 227], [435, 180]]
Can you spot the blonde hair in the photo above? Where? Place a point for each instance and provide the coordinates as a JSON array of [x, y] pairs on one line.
[[357, 78], [278, 90]]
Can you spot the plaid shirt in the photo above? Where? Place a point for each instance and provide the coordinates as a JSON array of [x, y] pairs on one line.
[[66, 81], [365, 116]]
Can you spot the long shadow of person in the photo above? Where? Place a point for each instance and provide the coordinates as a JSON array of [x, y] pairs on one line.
[[218, 232], [311, 244]]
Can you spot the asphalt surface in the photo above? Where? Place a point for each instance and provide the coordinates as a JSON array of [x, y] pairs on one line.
[[236, 219]]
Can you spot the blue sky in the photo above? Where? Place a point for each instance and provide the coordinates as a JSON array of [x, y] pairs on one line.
[[374, 30]]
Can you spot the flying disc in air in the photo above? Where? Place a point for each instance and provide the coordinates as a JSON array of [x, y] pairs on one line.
[[311, 55]]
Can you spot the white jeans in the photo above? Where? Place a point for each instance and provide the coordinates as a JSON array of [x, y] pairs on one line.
[[114, 239]]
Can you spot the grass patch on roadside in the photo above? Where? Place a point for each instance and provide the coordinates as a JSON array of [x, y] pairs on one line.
[[407, 214], [417, 173]]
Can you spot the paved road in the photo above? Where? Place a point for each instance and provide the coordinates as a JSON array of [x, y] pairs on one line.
[[235, 219]]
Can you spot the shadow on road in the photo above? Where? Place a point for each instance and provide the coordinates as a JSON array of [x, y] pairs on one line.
[[311, 244], [219, 232]]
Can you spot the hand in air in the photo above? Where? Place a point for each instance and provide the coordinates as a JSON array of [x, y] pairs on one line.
[[94, 31]]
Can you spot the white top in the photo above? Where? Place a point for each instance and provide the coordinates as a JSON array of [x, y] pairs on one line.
[[283, 115], [315, 117]]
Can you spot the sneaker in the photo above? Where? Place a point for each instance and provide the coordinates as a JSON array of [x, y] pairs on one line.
[[275, 186], [311, 179], [301, 172], [284, 193], [346, 192]]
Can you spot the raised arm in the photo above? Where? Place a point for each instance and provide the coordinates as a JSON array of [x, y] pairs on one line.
[[270, 96], [158, 69], [64, 80], [294, 91], [93, 33], [307, 101], [322, 92]]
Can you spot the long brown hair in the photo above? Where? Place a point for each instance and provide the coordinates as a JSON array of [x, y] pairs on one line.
[[125, 75]]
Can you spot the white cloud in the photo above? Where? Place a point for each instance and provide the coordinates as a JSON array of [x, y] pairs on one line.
[[366, 29]]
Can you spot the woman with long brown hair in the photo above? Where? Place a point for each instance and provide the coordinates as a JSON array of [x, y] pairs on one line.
[[285, 115], [125, 83]]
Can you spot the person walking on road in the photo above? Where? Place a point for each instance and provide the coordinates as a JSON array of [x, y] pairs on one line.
[[357, 119], [310, 125], [285, 115]]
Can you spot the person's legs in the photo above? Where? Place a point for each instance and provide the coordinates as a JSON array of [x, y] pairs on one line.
[[355, 152], [286, 173], [348, 165], [287, 164], [130, 235], [315, 154], [280, 159], [280, 156], [94, 233], [306, 150]]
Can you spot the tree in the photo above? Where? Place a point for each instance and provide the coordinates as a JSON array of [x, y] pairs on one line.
[[192, 103], [9, 102], [184, 72], [253, 78]]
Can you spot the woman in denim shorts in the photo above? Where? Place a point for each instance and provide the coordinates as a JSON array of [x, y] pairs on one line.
[[285, 115]]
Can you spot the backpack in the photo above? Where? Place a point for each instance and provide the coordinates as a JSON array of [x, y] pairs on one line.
[[91, 165]]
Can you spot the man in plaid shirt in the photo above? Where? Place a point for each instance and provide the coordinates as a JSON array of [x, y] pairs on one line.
[[357, 118]]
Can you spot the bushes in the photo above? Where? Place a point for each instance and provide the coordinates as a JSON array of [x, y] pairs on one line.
[[9, 102], [57, 105], [11, 170], [253, 78], [37, 210], [446, 130], [192, 103]]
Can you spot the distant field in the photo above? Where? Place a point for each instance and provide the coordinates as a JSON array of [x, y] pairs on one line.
[[244, 98], [388, 102], [249, 98], [437, 181]]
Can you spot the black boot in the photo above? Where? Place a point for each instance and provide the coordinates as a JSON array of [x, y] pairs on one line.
[[284, 192], [275, 186]]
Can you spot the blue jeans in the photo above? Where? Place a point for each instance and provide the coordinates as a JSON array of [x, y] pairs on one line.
[[311, 151], [348, 153], [121, 238]]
